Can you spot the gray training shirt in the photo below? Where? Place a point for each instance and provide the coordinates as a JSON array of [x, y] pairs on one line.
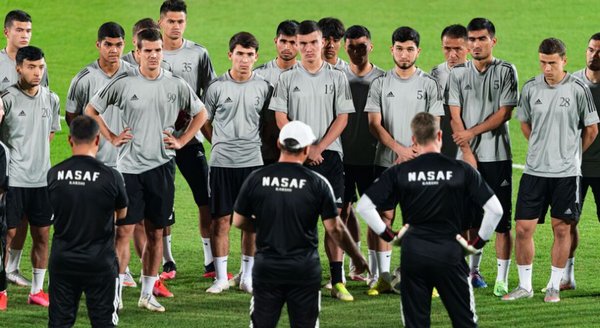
[[480, 95], [235, 111], [83, 87], [26, 127], [441, 73], [130, 59], [315, 99], [590, 163], [148, 107], [399, 100], [557, 115], [8, 72], [358, 142]]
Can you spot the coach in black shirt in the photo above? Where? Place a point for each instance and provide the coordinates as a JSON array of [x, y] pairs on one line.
[[85, 195], [282, 203], [434, 192]]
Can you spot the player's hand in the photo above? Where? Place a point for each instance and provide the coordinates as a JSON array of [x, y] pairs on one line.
[[463, 137], [397, 241], [314, 156], [405, 154], [171, 142], [360, 264], [471, 248], [470, 159], [122, 138]]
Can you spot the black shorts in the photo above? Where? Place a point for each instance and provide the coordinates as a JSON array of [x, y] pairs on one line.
[[498, 175], [357, 177], [225, 185], [2, 242], [191, 161], [303, 304], [536, 194], [101, 299], [151, 195], [377, 172], [332, 168], [32, 202], [594, 183]]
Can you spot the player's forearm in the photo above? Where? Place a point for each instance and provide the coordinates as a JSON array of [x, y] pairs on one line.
[[243, 223], [51, 137], [207, 131], [494, 121], [282, 119], [104, 130], [341, 236], [334, 132], [588, 136], [456, 122], [380, 133], [526, 129], [69, 117], [194, 126]]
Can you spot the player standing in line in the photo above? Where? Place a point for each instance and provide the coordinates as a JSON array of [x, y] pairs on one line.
[[333, 33], [393, 100], [150, 99], [319, 95], [281, 203], [132, 57], [357, 141], [235, 102], [4, 165], [559, 118], [434, 192], [30, 120], [454, 46], [481, 95], [190, 61]]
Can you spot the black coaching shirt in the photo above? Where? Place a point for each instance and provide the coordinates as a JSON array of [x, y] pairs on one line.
[[434, 192], [286, 200], [85, 194]]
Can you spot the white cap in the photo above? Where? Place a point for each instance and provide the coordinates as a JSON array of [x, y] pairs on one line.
[[298, 131]]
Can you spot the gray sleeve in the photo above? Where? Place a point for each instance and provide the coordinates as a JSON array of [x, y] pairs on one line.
[[434, 99], [206, 73], [6, 103], [189, 101], [454, 96], [55, 102], [75, 103], [509, 95], [586, 107], [343, 96], [108, 95], [374, 96], [523, 113], [279, 101], [210, 101]]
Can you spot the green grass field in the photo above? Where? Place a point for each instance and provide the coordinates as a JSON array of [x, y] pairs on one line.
[[66, 31]]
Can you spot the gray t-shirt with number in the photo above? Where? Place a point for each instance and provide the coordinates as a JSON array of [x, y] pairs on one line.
[[399, 100], [557, 114], [590, 163], [480, 95], [26, 127], [8, 72], [148, 107]]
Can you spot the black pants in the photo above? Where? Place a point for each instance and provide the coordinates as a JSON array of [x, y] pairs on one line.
[[101, 299], [303, 304], [419, 275]]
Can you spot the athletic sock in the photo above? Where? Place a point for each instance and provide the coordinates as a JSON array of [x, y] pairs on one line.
[[221, 267], [384, 259], [503, 266], [37, 280], [525, 276], [148, 284], [167, 255], [350, 263], [247, 264], [373, 266], [336, 272], [121, 279], [555, 276], [127, 270], [208, 258], [569, 274], [475, 261], [14, 259]]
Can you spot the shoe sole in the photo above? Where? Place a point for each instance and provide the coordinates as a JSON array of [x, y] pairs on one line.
[[153, 309], [551, 300], [514, 299], [167, 276], [32, 302]]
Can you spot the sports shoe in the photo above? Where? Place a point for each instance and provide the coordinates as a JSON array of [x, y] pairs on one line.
[[518, 293], [128, 281], [381, 287], [355, 276], [40, 298], [567, 285], [500, 288], [149, 302], [235, 281], [246, 285], [169, 271], [209, 270], [160, 289], [217, 287], [477, 280], [17, 278], [339, 291], [552, 295], [434, 293], [328, 284], [371, 281], [3, 299]]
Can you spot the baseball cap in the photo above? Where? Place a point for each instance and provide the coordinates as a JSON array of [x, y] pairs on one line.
[[298, 131]]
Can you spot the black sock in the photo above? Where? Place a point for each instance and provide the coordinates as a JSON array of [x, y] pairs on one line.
[[336, 272]]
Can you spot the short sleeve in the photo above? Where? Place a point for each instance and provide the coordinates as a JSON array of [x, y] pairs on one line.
[[434, 99], [381, 191], [210, 100], [374, 96], [343, 96], [6, 102], [588, 114], [478, 189], [453, 94], [55, 102], [206, 73], [189, 101], [244, 202], [279, 100], [110, 94], [75, 103], [121, 201], [509, 95], [4, 165], [523, 113]]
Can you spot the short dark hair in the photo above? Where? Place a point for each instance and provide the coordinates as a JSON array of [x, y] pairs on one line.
[[290, 146], [332, 28], [244, 39], [478, 24], [173, 5], [356, 32], [84, 129], [551, 46], [30, 53], [288, 28], [455, 31], [595, 37], [110, 30], [308, 26], [148, 35], [144, 24], [424, 128], [16, 15], [405, 33]]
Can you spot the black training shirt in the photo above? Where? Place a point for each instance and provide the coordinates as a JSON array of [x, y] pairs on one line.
[[434, 192], [84, 194], [286, 200]]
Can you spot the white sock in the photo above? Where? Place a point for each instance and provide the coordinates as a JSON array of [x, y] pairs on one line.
[[247, 264], [221, 267], [127, 270], [525, 276], [475, 261], [208, 258], [373, 267], [350, 263], [555, 276], [569, 274], [167, 255], [147, 284], [121, 279], [14, 259], [37, 280], [503, 266], [384, 259]]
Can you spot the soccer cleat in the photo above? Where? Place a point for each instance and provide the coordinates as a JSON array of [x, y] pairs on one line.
[[381, 287], [246, 285], [567, 285], [235, 281], [128, 281], [209, 270], [552, 295], [371, 281], [17, 278], [477, 280], [434, 293], [40, 298], [339, 291], [149, 302], [500, 288], [218, 286], [160, 289], [328, 284], [3, 300], [518, 293], [169, 271]]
